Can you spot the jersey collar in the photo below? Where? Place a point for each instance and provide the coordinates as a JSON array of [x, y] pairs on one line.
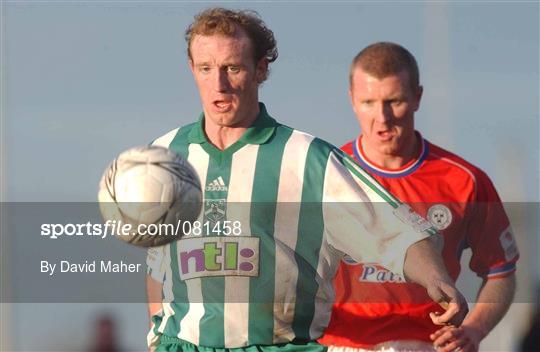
[[260, 132], [406, 170]]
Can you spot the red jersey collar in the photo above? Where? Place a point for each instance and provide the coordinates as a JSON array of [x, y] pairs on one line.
[[405, 170]]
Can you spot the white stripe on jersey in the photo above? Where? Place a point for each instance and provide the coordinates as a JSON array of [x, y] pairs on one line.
[[189, 326], [354, 235], [167, 291], [325, 293], [463, 167], [165, 140], [285, 232], [167, 310], [236, 307]]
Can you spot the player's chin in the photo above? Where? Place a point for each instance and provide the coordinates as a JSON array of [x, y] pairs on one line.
[[228, 120], [389, 148], [223, 119]]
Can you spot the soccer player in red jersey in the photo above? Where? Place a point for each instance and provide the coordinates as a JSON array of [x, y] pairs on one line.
[[375, 309]]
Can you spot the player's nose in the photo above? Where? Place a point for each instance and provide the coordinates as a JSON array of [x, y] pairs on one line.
[[383, 113], [221, 81]]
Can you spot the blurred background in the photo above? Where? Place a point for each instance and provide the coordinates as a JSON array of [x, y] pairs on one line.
[[83, 81]]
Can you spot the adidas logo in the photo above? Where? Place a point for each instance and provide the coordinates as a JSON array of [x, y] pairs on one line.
[[217, 185]]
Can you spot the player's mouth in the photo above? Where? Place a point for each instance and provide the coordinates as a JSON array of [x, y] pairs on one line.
[[222, 105], [385, 135]]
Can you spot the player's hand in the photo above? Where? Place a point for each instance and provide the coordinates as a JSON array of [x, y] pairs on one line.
[[451, 339], [455, 305]]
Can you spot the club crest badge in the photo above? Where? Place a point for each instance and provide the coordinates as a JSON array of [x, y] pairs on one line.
[[440, 216], [215, 210]]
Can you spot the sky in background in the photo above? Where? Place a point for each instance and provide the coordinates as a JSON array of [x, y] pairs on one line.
[[83, 81]]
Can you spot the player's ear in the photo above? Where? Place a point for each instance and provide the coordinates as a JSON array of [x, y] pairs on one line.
[[418, 97], [261, 70], [191, 66], [351, 98]]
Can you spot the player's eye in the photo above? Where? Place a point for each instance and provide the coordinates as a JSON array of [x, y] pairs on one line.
[[204, 69], [367, 103], [396, 102], [233, 69]]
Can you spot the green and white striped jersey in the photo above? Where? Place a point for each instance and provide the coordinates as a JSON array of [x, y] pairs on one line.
[[285, 207]]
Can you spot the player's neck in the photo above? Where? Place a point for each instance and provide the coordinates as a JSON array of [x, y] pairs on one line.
[[223, 137], [395, 159]]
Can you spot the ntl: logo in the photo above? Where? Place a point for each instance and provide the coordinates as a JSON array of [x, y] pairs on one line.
[[218, 256]]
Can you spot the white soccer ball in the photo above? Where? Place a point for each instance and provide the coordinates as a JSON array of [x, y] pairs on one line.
[[154, 190]]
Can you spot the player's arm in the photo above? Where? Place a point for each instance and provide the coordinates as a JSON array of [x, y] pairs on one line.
[[424, 265], [489, 232], [154, 279], [494, 299], [392, 235], [154, 297], [154, 290]]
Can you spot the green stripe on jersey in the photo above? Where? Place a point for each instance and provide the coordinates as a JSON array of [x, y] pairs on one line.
[[263, 214], [213, 288], [180, 306], [180, 295], [310, 236], [369, 181], [180, 142]]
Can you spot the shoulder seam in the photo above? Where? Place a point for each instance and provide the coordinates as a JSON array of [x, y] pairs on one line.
[[463, 167]]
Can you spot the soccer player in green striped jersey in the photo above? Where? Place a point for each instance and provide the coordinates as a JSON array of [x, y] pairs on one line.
[[281, 208]]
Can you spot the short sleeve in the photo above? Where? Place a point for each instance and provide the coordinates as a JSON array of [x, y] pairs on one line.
[[490, 236], [364, 220], [155, 258]]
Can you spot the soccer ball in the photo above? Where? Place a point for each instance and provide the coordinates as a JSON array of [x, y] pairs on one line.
[[147, 194]]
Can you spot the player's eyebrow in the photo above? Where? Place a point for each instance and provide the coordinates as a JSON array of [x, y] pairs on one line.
[[223, 64], [237, 63], [204, 63], [395, 96]]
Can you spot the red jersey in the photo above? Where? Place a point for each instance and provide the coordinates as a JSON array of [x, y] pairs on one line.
[[373, 305]]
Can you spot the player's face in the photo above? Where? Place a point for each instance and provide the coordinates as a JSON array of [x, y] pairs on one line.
[[385, 109], [227, 78]]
